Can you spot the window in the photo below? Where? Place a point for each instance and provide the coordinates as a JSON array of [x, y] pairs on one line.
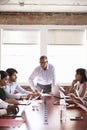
[[66, 49], [20, 49]]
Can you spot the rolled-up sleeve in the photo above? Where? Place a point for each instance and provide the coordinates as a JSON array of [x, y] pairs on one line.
[[3, 104], [32, 77], [3, 112]]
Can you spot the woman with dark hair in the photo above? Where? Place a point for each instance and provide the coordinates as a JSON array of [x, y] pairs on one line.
[[5, 107], [79, 85], [4, 79], [78, 90]]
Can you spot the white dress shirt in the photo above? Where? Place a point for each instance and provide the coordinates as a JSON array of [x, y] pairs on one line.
[[10, 89], [44, 77], [3, 106]]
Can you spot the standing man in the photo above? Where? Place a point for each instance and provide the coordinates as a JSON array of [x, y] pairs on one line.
[[45, 74]]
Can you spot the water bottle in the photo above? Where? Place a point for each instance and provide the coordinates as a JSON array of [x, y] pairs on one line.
[[63, 112]]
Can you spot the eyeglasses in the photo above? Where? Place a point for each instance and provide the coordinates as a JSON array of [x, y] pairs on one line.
[[44, 62]]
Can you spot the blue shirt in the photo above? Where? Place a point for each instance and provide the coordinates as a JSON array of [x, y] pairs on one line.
[[10, 89]]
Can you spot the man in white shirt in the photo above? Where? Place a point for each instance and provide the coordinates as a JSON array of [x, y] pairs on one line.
[[45, 74], [13, 86], [6, 109]]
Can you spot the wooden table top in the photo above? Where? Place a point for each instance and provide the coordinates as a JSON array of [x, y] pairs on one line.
[[44, 115]]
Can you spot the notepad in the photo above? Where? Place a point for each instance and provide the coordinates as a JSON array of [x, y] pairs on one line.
[[24, 102]]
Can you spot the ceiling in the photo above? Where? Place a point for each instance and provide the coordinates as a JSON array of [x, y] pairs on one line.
[[43, 6]]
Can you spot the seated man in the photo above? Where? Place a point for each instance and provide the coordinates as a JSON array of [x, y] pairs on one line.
[[13, 86], [6, 109]]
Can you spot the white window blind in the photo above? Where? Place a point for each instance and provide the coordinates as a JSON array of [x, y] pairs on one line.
[[21, 36], [20, 49], [66, 37]]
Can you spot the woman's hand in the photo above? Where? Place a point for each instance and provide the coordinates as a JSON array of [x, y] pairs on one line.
[[74, 82], [72, 96]]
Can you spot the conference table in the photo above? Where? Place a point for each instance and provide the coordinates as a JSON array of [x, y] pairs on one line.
[[42, 114]]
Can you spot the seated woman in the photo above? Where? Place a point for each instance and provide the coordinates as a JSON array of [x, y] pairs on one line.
[[3, 81], [79, 84]]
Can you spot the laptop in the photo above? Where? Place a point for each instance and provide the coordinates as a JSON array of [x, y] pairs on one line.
[[59, 93], [22, 107], [82, 106]]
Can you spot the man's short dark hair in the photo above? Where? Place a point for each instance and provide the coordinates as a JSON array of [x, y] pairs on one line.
[[43, 57], [11, 71]]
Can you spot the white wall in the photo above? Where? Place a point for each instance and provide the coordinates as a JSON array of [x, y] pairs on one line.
[[44, 6]]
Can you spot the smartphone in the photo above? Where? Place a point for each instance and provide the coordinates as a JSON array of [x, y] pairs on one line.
[[77, 118]]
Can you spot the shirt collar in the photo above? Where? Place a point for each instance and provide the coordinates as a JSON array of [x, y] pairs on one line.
[[11, 83], [46, 68]]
